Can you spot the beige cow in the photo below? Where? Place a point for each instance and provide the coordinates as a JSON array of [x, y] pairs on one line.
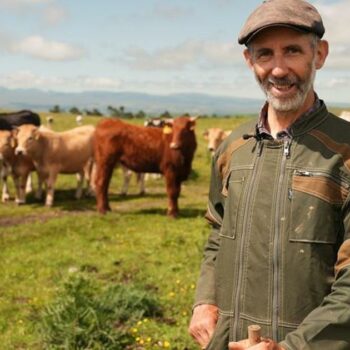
[[345, 115], [215, 136], [18, 166], [52, 153]]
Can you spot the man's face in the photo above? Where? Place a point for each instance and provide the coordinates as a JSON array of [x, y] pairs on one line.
[[284, 62]]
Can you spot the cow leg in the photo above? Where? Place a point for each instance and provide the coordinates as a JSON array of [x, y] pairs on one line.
[[5, 190], [50, 189], [21, 189], [126, 180], [17, 182], [141, 182], [29, 184], [173, 187], [80, 183], [104, 171], [90, 176], [39, 191]]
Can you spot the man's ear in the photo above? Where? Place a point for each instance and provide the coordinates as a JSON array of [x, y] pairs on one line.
[[321, 53], [248, 58]]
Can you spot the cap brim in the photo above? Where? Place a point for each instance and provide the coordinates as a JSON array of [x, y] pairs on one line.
[[286, 25]]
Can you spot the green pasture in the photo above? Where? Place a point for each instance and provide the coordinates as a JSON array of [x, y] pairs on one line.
[[135, 244]]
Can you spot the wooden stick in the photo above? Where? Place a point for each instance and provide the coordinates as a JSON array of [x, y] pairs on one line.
[[254, 334]]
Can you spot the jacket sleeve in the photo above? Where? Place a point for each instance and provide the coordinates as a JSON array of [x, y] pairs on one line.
[[328, 326], [205, 291]]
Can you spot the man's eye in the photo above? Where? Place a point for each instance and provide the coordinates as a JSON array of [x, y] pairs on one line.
[[263, 56], [293, 50]]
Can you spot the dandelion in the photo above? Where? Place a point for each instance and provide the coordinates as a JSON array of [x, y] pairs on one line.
[[192, 286], [171, 294], [139, 323], [149, 339], [166, 344], [134, 330]]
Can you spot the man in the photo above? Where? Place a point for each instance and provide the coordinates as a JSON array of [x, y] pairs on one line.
[[279, 252]]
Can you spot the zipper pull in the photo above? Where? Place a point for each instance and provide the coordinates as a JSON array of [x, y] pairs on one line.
[[286, 148], [302, 173], [290, 193]]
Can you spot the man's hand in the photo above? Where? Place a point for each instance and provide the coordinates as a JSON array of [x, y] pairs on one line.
[[203, 323], [265, 344]]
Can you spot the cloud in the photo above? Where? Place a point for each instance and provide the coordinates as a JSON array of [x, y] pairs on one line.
[[54, 14], [336, 17], [203, 54], [40, 48], [172, 12], [20, 4], [28, 79]]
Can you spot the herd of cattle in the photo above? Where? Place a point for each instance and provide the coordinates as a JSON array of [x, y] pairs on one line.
[[165, 147]]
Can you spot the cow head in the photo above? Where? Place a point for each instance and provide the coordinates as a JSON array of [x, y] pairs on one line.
[[182, 131], [214, 136], [27, 136]]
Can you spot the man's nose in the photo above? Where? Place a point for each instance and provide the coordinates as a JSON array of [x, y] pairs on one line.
[[280, 67]]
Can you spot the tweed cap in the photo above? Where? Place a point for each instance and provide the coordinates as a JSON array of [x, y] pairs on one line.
[[296, 14]]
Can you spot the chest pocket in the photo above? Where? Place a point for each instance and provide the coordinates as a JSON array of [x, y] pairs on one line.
[[233, 189], [316, 202]]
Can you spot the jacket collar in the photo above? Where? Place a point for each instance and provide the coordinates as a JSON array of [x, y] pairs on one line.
[[306, 122]]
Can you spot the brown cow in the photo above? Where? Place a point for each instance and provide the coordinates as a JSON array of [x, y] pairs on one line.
[[168, 151], [19, 167], [52, 153], [215, 136]]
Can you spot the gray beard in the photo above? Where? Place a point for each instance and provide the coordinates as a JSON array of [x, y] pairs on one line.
[[293, 103]]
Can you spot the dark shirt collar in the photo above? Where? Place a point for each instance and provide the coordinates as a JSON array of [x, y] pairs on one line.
[[262, 128]]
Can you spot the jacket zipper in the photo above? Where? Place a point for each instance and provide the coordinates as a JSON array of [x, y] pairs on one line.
[[249, 187], [276, 239]]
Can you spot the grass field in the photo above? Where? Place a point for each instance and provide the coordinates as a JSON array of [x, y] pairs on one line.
[[41, 248], [136, 244]]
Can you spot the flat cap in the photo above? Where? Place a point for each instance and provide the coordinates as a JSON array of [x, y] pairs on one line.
[[296, 14]]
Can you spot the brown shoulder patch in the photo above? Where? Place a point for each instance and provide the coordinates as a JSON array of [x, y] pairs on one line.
[[321, 187], [343, 256], [223, 161], [341, 148]]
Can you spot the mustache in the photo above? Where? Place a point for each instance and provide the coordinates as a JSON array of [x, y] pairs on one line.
[[285, 81]]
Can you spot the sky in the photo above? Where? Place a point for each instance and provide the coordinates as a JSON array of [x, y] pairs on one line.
[[151, 46]]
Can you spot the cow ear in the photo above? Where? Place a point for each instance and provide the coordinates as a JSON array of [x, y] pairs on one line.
[[167, 129]]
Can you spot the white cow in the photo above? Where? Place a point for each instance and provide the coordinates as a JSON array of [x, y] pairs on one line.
[[79, 119], [52, 153], [18, 166]]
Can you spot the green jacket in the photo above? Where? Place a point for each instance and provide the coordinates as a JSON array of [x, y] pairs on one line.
[[279, 251]]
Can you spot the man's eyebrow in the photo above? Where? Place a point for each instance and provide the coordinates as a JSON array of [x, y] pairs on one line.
[[294, 46], [261, 50]]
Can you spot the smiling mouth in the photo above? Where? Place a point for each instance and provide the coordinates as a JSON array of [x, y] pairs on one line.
[[281, 90]]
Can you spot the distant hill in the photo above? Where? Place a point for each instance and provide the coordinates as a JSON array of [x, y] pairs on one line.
[[193, 103], [132, 101]]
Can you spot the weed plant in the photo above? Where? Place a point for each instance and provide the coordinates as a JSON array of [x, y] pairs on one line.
[[85, 315]]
